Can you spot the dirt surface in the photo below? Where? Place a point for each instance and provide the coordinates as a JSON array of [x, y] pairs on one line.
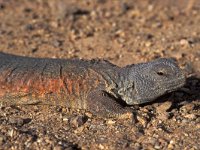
[[123, 32]]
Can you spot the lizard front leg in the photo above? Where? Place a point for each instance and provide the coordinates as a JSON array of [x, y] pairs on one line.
[[101, 104]]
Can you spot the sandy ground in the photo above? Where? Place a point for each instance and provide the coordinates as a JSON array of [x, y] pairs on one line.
[[123, 32]]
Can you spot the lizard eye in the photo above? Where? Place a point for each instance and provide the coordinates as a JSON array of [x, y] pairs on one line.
[[160, 73]]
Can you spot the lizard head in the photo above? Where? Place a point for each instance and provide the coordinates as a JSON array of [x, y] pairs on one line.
[[145, 82]]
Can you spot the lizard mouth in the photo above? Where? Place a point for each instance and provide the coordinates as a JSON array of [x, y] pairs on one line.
[[175, 84], [172, 87], [166, 88]]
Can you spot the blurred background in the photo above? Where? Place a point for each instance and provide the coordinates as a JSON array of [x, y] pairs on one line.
[[123, 32]]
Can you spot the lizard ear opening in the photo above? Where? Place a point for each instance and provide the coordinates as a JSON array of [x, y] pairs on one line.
[[121, 91], [125, 89]]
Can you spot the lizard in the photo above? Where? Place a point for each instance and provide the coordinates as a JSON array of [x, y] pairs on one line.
[[102, 88]]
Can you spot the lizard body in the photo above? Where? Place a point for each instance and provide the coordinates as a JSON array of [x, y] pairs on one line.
[[95, 85]]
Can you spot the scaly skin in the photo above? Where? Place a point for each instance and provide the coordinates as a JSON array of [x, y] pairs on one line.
[[95, 85]]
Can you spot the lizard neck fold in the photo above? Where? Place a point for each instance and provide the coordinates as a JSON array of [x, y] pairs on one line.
[[118, 82], [110, 76], [125, 86]]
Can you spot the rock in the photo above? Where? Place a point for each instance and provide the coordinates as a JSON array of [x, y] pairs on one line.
[[185, 121], [171, 145], [153, 140], [29, 27], [157, 145], [12, 132], [134, 13], [110, 122], [18, 121], [79, 130], [2, 6], [57, 147], [163, 106], [65, 119], [162, 110], [101, 146], [148, 36], [184, 42], [120, 33], [138, 146], [2, 139], [88, 114], [187, 107], [190, 116], [148, 44], [150, 8], [78, 121], [142, 120], [57, 43], [124, 8], [157, 24]]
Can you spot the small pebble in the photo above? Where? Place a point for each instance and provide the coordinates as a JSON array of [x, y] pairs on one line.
[[142, 120], [88, 114], [16, 121], [163, 107], [184, 121], [57, 43], [190, 116], [186, 134], [79, 130], [65, 119], [101, 146], [110, 122], [138, 146], [124, 7], [78, 121], [57, 147], [162, 110], [170, 146], [120, 33], [34, 49], [184, 42], [29, 27], [11, 132], [2, 6], [187, 107], [1, 140], [157, 146], [157, 25], [135, 13], [153, 140], [148, 36], [148, 44]]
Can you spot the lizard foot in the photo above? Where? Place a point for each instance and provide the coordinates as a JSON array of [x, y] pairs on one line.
[[103, 105]]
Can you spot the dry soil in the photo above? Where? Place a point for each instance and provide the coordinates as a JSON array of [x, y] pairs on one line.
[[123, 32]]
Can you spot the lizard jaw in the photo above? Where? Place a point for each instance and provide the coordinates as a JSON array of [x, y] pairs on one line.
[[139, 100], [173, 85]]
